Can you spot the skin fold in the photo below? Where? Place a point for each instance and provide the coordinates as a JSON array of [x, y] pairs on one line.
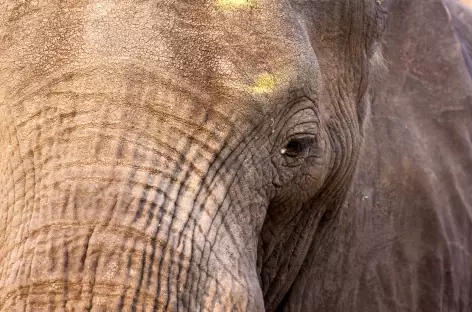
[[460, 15], [218, 156]]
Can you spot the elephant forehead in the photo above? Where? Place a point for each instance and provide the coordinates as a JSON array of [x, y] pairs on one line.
[[230, 51], [224, 48]]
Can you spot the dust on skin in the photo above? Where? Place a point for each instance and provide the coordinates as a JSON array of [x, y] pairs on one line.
[[265, 83], [262, 84]]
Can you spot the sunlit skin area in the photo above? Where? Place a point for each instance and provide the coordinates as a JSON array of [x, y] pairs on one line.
[[467, 3], [234, 4]]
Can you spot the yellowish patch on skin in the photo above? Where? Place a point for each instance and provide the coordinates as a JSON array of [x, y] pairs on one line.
[[265, 83], [102, 8], [230, 5], [467, 3]]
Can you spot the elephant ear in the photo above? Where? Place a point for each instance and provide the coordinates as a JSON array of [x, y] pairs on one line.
[[460, 15]]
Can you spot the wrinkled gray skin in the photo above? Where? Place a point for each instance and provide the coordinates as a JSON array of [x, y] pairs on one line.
[[404, 237], [187, 156]]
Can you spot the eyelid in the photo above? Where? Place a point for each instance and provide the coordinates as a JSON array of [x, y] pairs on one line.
[[301, 136], [302, 129]]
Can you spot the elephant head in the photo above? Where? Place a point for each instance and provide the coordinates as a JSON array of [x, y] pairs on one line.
[[175, 155]]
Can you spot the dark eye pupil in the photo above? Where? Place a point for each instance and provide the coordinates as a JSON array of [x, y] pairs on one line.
[[294, 148]]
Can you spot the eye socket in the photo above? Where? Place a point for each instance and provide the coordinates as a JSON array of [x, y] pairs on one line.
[[297, 147]]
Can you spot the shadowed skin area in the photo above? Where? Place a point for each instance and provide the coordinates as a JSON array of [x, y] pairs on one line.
[[404, 239], [174, 155]]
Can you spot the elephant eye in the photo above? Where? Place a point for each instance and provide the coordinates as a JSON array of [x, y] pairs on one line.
[[297, 147]]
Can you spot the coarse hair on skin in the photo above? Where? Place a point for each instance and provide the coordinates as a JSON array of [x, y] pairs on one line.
[[378, 65], [377, 71]]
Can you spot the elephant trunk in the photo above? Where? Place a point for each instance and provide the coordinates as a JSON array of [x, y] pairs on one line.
[[104, 214]]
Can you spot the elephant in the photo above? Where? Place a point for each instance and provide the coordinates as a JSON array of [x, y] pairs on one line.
[[405, 236], [460, 13], [235, 155]]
